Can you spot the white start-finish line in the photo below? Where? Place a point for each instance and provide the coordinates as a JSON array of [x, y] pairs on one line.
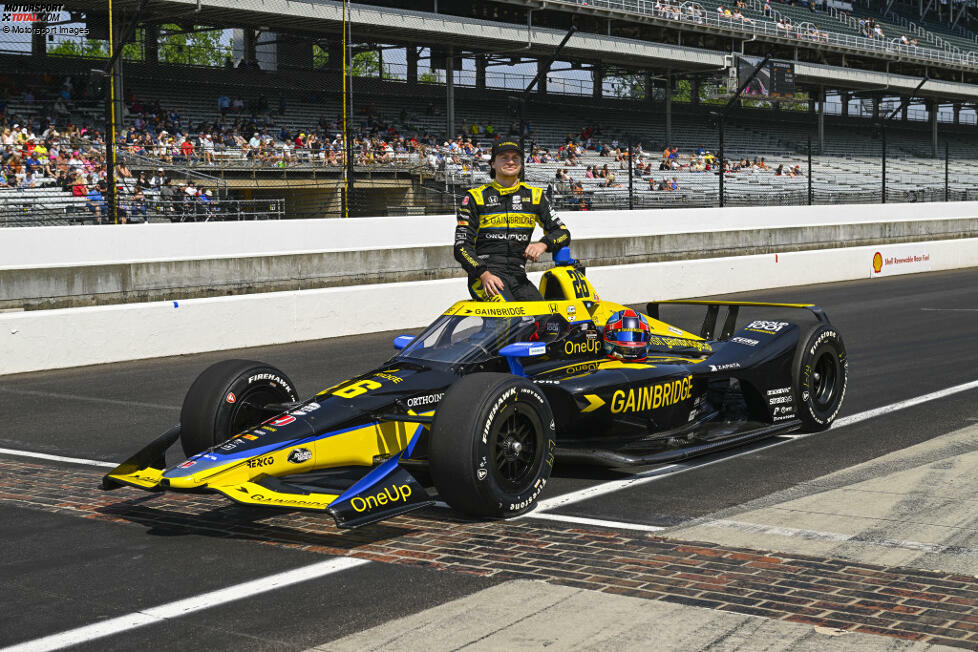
[[183, 607]]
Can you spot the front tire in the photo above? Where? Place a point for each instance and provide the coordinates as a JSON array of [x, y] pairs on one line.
[[492, 442], [227, 398], [821, 374]]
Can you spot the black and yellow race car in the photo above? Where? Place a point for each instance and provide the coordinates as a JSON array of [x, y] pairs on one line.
[[485, 399]]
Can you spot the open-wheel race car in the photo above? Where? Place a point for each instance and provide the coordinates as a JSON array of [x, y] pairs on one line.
[[485, 399]]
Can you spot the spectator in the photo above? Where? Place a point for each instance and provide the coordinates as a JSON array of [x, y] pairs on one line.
[[96, 202], [187, 150]]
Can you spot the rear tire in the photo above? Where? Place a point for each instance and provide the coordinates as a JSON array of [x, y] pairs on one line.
[[821, 373], [226, 399], [492, 442]]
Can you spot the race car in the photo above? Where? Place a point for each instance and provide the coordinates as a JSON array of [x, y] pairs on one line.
[[488, 396]]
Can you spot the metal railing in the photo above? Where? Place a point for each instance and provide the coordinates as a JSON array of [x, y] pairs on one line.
[[272, 157], [192, 209], [757, 27]]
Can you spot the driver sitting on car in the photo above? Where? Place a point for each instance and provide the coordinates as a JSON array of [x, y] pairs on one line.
[[495, 225], [626, 337]]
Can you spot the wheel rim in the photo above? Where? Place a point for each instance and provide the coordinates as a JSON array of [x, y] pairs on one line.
[[248, 413], [825, 376], [515, 438]]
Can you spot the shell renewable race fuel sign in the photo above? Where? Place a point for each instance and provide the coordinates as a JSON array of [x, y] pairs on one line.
[[901, 259]]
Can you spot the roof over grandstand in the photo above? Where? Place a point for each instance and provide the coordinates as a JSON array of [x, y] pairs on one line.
[[629, 41]]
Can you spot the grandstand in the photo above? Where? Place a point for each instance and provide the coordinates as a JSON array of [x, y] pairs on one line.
[[277, 147]]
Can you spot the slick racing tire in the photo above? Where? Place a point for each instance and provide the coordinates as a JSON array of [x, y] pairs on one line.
[[492, 442], [821, 373], [227, 398]]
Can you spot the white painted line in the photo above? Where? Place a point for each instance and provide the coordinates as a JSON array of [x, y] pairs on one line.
[[674, 469], [950, 309], [616, 525], [607, 487], [89, 399], [816, 535], [179, 608], [57, 458], [893, 407]]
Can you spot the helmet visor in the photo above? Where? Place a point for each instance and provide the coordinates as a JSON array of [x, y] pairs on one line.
[[628, 337]]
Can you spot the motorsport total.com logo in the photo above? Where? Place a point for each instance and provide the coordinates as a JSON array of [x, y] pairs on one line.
[[34, 19]]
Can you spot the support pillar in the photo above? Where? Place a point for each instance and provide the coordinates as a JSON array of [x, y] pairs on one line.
[[957, 113], [450, 93], [542, 69], [694, 90], [151, 45], [668, 108], [597, 80], [412, 64], [250, 43], [933, 107], [876, 108], [905, 115], [38, 39], [845, 104], [649, 86], [480, 71]]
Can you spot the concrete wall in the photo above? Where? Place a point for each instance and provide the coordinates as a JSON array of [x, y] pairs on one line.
[[207, 260], [52, 246], [50, 339]]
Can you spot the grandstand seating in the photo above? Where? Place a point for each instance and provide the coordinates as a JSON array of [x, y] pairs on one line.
[[847, 168], [41, 206]]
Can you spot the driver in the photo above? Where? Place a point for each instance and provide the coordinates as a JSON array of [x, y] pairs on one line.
[[495, 225], [626, 336]]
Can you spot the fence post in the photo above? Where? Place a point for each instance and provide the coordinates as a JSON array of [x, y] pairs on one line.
[[631, 195], [720, 127], [809, 169], [883, 143]]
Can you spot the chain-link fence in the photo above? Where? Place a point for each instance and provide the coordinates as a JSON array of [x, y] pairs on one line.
[[332, 124]]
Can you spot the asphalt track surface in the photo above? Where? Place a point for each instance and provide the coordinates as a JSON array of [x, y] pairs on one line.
[[906, 336]]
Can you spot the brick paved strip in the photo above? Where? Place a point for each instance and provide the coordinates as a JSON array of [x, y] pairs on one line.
[[912, 604]]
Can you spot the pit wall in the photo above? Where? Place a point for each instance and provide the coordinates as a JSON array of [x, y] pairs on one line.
[[69, 267], [52, 246], [57, 338]]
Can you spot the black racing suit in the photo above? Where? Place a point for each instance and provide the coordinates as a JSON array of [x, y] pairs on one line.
[[495, 225]]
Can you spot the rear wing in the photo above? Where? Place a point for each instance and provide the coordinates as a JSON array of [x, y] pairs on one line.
[[733, 308]]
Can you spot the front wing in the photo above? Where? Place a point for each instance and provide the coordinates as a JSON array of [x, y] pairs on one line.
[[383, 491]]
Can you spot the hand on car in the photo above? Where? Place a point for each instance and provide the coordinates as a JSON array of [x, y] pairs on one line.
[[492, 284], [534, 251]]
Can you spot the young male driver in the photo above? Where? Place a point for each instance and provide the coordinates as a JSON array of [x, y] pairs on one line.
[[495, 226]]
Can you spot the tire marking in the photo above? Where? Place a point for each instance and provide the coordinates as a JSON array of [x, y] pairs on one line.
[[817, 535], [164, 612]]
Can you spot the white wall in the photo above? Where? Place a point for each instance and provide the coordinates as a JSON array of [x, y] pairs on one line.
[[50, 339], [54, 246]]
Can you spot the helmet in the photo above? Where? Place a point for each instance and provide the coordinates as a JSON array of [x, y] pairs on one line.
[[626, 336]]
